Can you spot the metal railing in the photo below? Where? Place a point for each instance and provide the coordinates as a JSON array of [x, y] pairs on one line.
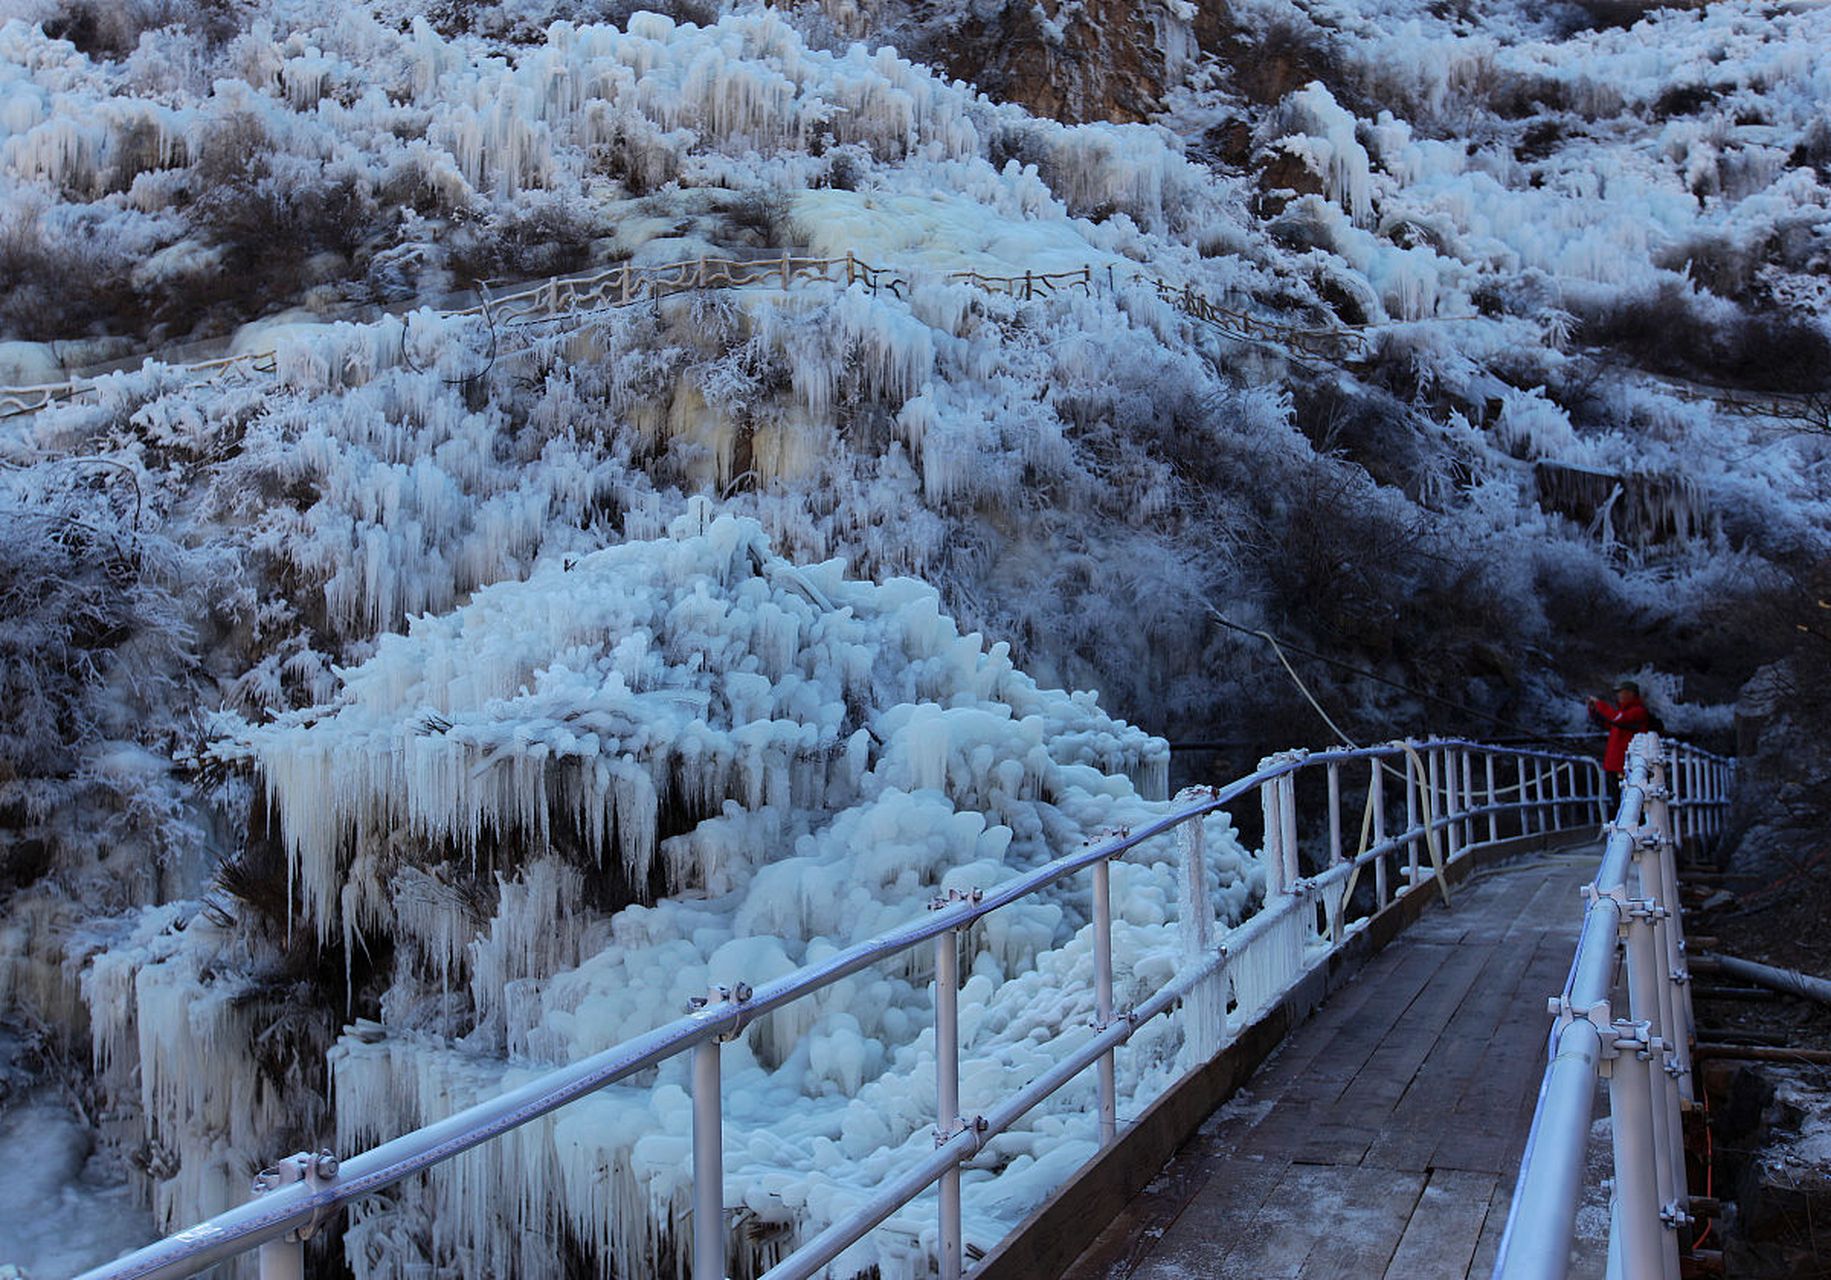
[[1672, 793], [626, 284], [1422, 806]]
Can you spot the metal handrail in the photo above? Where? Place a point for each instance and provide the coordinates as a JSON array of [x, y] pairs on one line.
[[1671, 792], [580, 296], [1440, 786]]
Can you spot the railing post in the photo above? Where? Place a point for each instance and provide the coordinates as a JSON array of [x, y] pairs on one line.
[[1334, 812], [1599, 781], [1630, 1104], [1287, 820], [1493, 813], [1468, 796], [708, 1165], [1335, 905], [1520, 768], [1376, 784], [283, 1260], [1271, 809], [1103, 995], [1541, 820], [1557, 797], [1205, 1010], [1675, 988], [1452, 834], [1647, 1006], [1412, 783], [947, 1092]]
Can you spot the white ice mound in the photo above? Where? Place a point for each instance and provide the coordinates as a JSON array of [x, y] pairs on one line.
[[686, 762]]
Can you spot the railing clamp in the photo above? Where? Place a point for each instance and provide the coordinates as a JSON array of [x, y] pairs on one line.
[[1646, 910], [1618, 895], [1636, 1038], [1680, 976], [1657, 791], [1672, 1216], [716, 996], [976, 1125], [1127, 1015], [1564, 1013], [945, 900], [317, 1170], [1650, 838]]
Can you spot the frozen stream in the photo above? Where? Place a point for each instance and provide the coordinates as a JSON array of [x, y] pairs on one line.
[[60, 1213]]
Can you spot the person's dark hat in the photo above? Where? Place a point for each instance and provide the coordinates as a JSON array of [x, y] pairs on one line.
[[1627, 686]]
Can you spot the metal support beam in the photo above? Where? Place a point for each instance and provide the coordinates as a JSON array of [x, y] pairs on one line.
[[283, 1260], [708, 1164], [1630, 1104], [1103, 996], [947, 1093]]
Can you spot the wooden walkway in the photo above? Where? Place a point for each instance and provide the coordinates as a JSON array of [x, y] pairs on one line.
[[1382, 1139]]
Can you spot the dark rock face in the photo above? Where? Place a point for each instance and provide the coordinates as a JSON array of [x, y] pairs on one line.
[[1103, 60]]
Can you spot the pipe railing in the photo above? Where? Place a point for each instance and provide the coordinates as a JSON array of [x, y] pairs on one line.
[[1456, 795], [1672, 793], [578, 297]]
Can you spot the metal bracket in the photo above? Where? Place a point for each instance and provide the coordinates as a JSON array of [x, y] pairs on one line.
[[1672, 1216], [963, 1124], [1564, 1013], [942, 902], [319, 1170], [1646, 910], [720, 995], [1593, 895], [1680, 976], [1635, 1037], [1127, 1015]]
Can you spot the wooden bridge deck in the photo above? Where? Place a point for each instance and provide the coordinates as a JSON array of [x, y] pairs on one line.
[[1382, 1139]]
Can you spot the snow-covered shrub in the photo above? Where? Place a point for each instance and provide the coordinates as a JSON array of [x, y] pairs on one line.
[[1675, 331], [113, 28], [91, 637]]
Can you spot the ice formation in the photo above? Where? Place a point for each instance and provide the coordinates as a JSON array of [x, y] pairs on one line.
[[527, 839], [744, 764]]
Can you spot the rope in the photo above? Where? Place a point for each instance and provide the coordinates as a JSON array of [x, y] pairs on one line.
[[1374, 675], [1417, 762], [1297, 680]]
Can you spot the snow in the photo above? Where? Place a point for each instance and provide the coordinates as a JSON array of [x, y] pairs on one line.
[[535, 768], [552, 717]]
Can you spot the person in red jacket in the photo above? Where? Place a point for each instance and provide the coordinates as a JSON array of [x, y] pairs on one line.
[[1625, 717]]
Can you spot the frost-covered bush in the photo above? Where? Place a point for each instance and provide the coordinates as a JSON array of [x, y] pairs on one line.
[[1675, 331], [92, 637]]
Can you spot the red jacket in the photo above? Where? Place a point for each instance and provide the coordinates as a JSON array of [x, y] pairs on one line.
[[1623, 724]]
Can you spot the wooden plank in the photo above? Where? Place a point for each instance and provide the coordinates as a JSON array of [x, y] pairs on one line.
[[1337, 1124], [1215, 1220], [1366, 1227], [1333, 1028], [1413, 1037], [1445, 1226], [1487, 1247], [1274, 1244]]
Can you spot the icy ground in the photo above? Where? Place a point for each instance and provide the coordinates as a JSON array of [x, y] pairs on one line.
[[277, 759], [61, 1210]]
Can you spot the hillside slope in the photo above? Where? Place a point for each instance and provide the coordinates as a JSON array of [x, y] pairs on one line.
[[1481, 278]]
